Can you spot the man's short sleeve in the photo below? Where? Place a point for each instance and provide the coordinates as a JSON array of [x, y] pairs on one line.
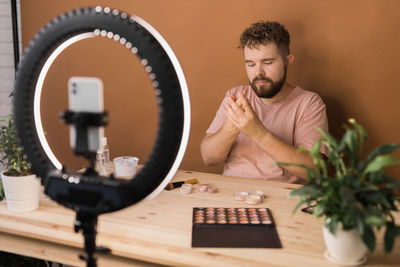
[[306, 134]]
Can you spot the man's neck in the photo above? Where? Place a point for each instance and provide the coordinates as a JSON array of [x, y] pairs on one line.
[[286, 90]]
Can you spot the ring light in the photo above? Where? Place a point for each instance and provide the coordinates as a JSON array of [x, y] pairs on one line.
[[90, 194]]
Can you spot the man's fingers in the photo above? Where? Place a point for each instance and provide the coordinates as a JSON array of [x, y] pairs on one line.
[[234, 113], [228, 102], [244, 102], [232, 104], [237, 108], [229, 108], [232, 116], [226, 106], [233, 97]]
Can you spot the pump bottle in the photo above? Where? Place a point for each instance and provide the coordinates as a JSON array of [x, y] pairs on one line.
[[106, 153], [103, 158]]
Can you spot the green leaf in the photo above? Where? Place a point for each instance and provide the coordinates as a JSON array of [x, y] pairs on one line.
[[350, 138], [319, 209], [359, 221], [10, 148], [342, 144], [360, 130], [301, 202], [304, 149], [347, 195], [374, 197], [389, 237], [306, 191], [392, 184], [326, 136], [1, 190], [331, 224], [380, 162], [311, 173], [360, 135], [369, 238], [295, 164], [316, 148], [375, 220], [382, 150]]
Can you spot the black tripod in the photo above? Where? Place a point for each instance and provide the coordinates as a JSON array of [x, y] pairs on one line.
[[86, 219], [87, 223]]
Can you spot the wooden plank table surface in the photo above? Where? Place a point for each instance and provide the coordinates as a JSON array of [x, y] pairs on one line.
[[158, 231]]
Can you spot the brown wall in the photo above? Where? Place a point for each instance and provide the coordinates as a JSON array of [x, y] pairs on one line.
[[347, 51]]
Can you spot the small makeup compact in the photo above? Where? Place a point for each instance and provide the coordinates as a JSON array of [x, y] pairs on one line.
[[234, 227]]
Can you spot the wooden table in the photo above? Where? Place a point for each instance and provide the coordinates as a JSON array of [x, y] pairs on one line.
[[159, 231]]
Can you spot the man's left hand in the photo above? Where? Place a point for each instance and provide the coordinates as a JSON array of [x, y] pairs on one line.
[[243, 116]]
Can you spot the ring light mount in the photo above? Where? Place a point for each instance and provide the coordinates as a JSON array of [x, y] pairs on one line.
[[88, 194]]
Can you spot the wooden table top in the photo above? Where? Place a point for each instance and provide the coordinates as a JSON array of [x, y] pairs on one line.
[[159, 231]]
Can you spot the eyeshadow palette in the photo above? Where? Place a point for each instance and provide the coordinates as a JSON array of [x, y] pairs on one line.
[[234, 227]]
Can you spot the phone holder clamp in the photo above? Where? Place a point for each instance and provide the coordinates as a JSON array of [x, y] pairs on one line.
[[82, 121]]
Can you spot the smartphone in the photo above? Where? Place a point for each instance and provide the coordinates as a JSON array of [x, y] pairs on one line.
[[85, 94], [308, 209]]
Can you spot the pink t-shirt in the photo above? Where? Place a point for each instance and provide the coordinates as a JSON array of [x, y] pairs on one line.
[[292, 119]]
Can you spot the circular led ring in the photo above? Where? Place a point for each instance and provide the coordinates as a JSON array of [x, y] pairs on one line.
[[157, 58]]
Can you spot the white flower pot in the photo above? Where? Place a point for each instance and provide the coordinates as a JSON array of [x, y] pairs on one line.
[[21, 192], [346, 247]]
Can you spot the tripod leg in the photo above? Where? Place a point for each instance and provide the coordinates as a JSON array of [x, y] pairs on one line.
[[87, 222]]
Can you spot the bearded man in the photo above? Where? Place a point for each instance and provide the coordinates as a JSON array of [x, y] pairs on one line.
[[263, 123]]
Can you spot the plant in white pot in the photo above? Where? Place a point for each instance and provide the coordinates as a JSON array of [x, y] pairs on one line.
[[353, 193], [21, 187]]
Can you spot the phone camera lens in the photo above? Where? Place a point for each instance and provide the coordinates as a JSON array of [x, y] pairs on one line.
[[74, 88]]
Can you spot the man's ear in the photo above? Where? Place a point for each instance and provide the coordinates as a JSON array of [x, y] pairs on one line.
[[289, 60]]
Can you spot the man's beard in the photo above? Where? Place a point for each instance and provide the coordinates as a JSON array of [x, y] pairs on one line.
[[273, 89]]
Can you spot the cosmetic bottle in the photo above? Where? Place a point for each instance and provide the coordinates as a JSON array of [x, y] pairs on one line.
[[100, 160], [106, 155]]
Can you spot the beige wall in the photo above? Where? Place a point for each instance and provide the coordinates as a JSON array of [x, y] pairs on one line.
[[347, 51]]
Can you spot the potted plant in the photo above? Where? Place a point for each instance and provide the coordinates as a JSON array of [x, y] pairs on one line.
[[21, 187], [353, 193]]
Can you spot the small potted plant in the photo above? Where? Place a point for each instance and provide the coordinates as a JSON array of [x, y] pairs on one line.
[[21, 187], [353, 194]]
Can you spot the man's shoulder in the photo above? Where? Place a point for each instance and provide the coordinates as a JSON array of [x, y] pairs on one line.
[[237, 89], [303, 95]]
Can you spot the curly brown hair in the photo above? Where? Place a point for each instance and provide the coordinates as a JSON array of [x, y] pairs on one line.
[[265, 32]]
